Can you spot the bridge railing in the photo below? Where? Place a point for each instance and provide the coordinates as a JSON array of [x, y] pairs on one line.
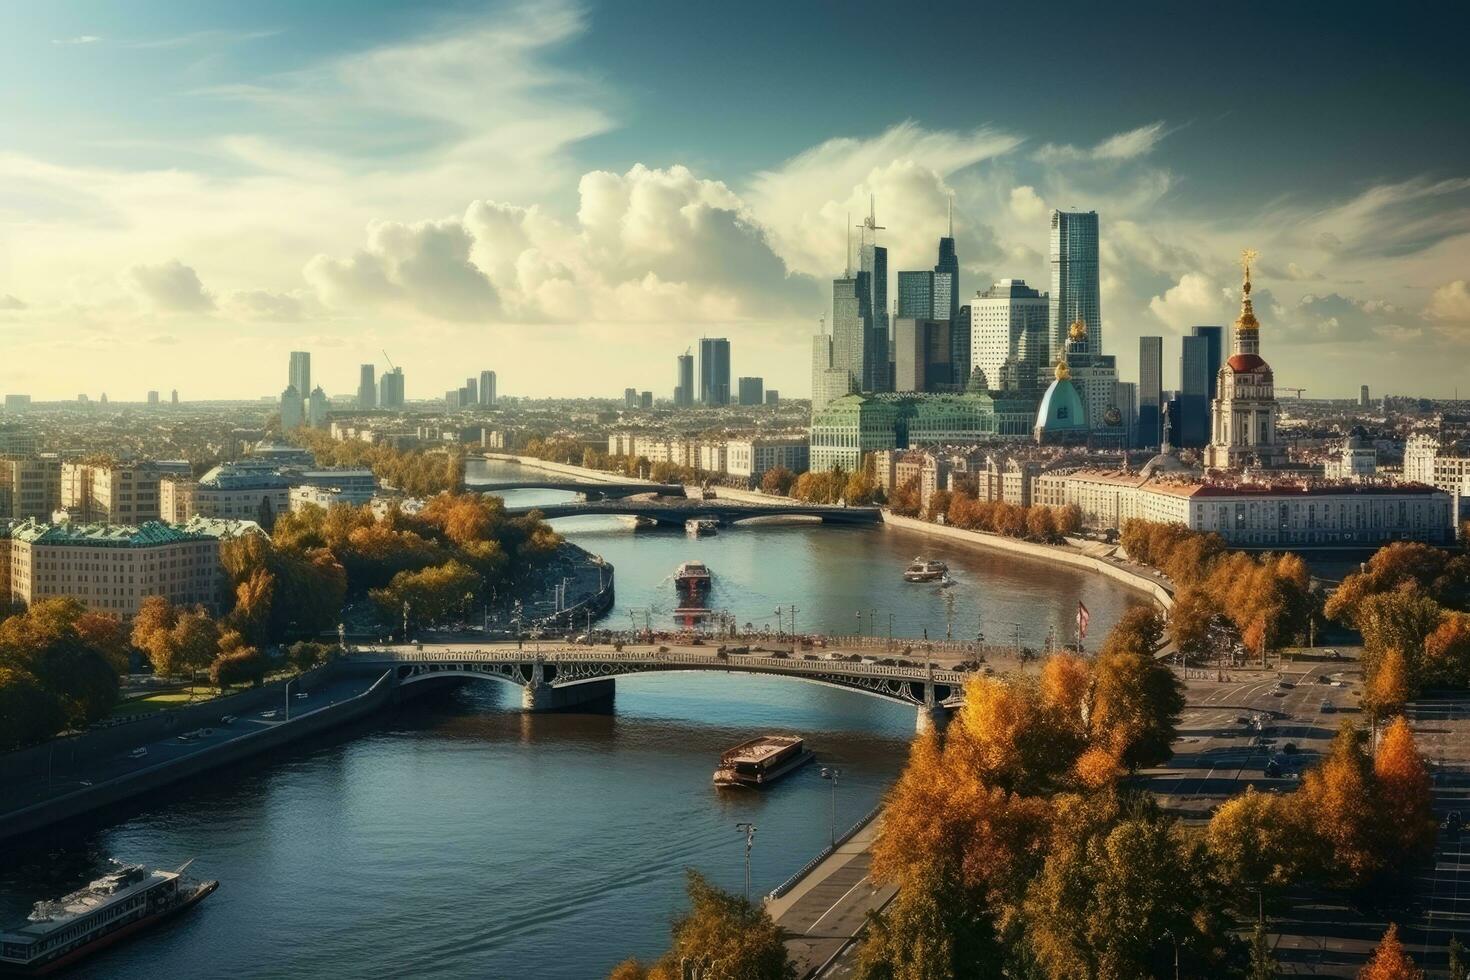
[[583, 656]]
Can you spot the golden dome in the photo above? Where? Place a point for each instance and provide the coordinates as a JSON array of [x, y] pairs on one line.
[[1078, 330], [1063, 373]]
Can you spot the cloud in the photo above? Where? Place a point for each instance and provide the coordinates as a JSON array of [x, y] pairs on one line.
[[9, 302], [263, 304], [1335, 318], [1026, 205], [79, 39], [170, 287], [1194, 299], [423, 266], [1127, 145], [1450, 302]]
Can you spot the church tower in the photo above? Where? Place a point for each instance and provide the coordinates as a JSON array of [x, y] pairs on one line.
[[1243, 415]]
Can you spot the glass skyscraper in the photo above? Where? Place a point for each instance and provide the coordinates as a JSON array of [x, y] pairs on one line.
[[1074, 280], [873, 262], [714, 371], [1150, 389], [916, 295], [1192, 424], [1215, 338], [947, 280], [852, 328], [684, 382]]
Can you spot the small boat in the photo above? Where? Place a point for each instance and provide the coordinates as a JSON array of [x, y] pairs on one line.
[[925, 570], [126, 900], [701, 527], [693, 578], [762, 760]]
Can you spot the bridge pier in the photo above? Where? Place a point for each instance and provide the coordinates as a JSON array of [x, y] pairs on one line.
[[932, 717], [544, 697]]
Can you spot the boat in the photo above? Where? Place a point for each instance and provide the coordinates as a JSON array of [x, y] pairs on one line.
[[693, 578], [701, 527], [126, 900], [925, 570], [762, 760]]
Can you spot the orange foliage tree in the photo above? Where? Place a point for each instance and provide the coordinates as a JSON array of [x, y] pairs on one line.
[[1390, 960], [1403, 790]]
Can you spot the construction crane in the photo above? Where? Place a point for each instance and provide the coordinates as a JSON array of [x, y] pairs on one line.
[[1289, 388], [391, 366]]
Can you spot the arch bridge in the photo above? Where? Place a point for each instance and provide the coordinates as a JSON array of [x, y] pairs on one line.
[[675, 511], [558, 678], [590, 490]]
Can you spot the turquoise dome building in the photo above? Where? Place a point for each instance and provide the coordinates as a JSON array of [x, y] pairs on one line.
[[1062, 416]]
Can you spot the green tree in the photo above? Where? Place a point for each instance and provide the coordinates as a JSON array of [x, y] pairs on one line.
[[1263, 965], [28, 712]]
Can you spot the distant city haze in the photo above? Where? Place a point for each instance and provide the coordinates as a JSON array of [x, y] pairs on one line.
[[577, 194]]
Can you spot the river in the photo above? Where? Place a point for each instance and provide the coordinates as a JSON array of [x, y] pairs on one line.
[[457, 837]]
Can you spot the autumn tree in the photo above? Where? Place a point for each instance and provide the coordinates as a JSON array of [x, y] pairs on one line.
[[107, 635], [1338, 802], [1386, 686], [28, 712], [1139, 630], [1069, 520], [75, 667], [904, 500], [1447, 651], [725, 929], [1257, 842], [1405, 806], [1137, 706], [1041, 524], [1189, 621], [778, 480], [1390, 960]]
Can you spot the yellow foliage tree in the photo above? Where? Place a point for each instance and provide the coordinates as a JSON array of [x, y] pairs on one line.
[[1390, 960], [1403, 792]]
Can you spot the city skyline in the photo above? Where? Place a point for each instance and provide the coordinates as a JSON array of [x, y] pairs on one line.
[[201, 208]]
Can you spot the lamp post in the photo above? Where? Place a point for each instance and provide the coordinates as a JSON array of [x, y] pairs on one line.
[[831, 773], [1175, 939], [749, 831]]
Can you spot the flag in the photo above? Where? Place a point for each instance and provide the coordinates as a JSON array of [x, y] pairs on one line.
[[1082, 617]]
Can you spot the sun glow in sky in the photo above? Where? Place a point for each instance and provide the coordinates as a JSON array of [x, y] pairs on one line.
[[574, 194]]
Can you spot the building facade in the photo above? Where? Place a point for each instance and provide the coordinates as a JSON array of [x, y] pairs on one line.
[[1075, 293], [30, 486], [1008, 323], [714, 371], [752, 458], [1244, 412]]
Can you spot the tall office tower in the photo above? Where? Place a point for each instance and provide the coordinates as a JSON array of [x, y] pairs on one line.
[[684, 381], [153, 398], [1150, 390], [1363, 397], [451, 400], [300, 376], [916, 295], [852, 323], [1215, 353], [291, 406], [752, 391], [1125, 400], [1192, 424], [390, 389], [367, 388], [1074, 282], [959, 349], [873, 260], [645, 399], [487, 389], [472, 391], [1008, 322], [822, 370], [174, 397], [316, 408], [947, 276], [773, 397], [921, 354], [630, 397], [714, 371]]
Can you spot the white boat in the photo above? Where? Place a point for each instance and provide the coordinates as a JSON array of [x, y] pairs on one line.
[[925, 570], [693, 578], [701, 527]]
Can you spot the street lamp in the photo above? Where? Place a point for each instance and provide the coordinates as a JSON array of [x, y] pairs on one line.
[[749, 830], [832, 773]]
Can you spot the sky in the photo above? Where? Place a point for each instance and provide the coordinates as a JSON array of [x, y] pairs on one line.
[[572, 194]]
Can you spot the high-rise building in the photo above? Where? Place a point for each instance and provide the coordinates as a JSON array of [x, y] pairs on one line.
[[1075, 293], [153, 399], [316, 408], [30, 485], [714, 371], [173, 397], [390, 389], [947, 277], [916, 295], [684, 380], [921, 355], [1150, 390], [20, 403], [852, 329], [752, 391], [292, 409], [472, 392], [487, 389], [959, 349], [630, 397], [773, 397], [1244, 413], [1214, 354], [300, 372], [1363, 397], [1192, 424], [367, 388], [1125, 400], [873, 260], [645, 399], [1008, 322]]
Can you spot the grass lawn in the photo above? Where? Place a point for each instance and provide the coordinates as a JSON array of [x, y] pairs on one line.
[[165, 699]]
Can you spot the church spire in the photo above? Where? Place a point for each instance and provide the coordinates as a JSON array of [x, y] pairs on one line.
[[1247, 319]]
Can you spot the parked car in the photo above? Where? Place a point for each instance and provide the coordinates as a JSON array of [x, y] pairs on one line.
[[269, 714], [139, 752], [1327, 707], [228, 720]]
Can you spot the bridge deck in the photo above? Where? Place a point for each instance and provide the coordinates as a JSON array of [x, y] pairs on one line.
[[666, 510]]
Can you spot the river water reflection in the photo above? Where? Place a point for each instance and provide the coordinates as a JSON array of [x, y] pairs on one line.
[[459, 838]]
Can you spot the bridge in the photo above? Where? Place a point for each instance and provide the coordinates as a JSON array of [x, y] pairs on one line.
[[674, 511], [590, 490], [561, 677]]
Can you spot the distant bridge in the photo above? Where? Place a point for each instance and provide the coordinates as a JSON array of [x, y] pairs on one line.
[[591, 490], [562, 677], [674, 511]]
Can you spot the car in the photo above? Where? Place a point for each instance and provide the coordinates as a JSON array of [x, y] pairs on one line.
[[1327, 707], [1285, 684], [302, 695], [1244, 720], [1289, 748], [1323, 679], [809, 656], [188, 736], [781, 655], [272, 713], [206, 732], [228, 720], [1454, 823], [1272, 770], [139, 752], [1277, 692]]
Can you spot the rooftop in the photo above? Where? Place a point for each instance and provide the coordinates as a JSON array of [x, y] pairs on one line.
[[147, 535]]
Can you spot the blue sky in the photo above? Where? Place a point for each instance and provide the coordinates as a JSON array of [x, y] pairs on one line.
[[595, 186]]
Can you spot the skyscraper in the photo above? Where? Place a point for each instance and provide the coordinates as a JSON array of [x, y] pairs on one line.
[[714, 371], [291, 409], [630, 397], [1215, 348], [684, 383], [1074, 281], [852, 322], [947, 276], [472, 392], [959, 349], [1192, 424], [367, 388], [921, 351], [1363, 398], [752, 391], [487, 389], [152, 398], [390, 389], [1150, 389], [316, 408], [916, 295], [174, 396], [873, 260], [300, 372], [1008, 322]]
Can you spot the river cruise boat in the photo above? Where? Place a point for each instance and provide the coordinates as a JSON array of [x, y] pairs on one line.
[[761, 761], [129, 899], [701, 527], [925, 570], [693, 578]]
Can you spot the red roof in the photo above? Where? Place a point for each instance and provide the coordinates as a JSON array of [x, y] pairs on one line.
[[1246, 363]]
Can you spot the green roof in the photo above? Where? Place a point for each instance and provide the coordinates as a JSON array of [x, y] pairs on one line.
[[147, 535]]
